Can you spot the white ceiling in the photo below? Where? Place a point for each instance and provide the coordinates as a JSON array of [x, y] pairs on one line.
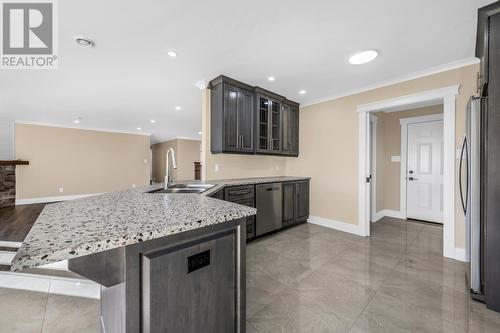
[[128, 79]]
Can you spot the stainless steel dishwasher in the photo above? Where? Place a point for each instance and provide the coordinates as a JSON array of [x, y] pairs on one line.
[[269, 207]]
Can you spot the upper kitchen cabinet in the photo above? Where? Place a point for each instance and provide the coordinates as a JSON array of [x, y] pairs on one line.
[[290, 128], [251, 120], [232, 116], [268, 122]]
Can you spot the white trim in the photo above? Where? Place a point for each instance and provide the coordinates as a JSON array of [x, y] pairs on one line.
[[460, 254], [402, 170], [10, 244], [41, 123], [403, 78], [6, 257], [53, 199], [57, 266], [414, 106], [447, 95], [404, 154], [378, 216], [421, 119], [175, 138], [363, 186], [337, 225], [449, 176], [389, 213], [410, 100], [373, 144], [50, 284]]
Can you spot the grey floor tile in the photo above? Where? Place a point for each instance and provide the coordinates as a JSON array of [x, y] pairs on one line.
[[483, 320], [335, 293], [389, 314], [293, 312], [261, 289], [21, 311], [71, 314]]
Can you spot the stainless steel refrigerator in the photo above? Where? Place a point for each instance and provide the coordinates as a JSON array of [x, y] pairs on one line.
[[470, 193]]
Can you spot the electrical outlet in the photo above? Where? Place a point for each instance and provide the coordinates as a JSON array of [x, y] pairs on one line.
[[216, 167], [133, 185], [145, 161], [277, 167], [61, 189]]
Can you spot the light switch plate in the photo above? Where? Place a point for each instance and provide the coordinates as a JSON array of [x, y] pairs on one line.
[[395, 158]]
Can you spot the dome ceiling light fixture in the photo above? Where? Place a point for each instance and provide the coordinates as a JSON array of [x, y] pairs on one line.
[[363, 57]]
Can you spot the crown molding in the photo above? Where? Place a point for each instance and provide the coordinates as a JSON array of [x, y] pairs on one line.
[[40, 123]]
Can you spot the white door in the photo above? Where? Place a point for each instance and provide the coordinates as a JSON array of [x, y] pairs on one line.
[[424, 177]]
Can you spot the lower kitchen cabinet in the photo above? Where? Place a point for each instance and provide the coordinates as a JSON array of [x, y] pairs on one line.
[[295, 202]]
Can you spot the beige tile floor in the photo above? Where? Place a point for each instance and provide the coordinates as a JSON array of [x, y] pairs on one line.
[[314, 279]]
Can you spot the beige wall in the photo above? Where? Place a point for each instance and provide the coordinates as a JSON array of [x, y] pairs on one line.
[[234, 165], [186, 153], [79, 161], [329, 144], [388, 173]]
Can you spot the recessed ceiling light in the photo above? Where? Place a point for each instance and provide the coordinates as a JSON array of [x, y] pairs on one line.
[[84, 41], [178, 108], [302, 92], [363, 57], [152, 121], [199, 133], [271, 78], [172, 54], [76, 120], [138, 128]]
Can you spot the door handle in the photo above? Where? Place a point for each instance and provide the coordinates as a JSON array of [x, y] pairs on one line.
[[412, 178]]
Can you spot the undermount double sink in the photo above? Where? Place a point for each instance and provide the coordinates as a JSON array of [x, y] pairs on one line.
[[185, 188]]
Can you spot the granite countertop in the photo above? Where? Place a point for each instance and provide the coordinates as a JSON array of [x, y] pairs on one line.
[[79, 227], [221, 183]]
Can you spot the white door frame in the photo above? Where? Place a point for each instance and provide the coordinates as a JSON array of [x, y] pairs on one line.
[[404, 158], [445, 96], [373, 145]]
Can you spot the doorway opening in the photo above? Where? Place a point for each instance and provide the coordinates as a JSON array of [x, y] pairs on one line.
[[370, 129], [406, 160]]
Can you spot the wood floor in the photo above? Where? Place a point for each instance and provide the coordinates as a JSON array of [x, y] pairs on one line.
[[16, 221]]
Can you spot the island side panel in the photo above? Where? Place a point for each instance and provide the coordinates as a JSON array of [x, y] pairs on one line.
[[148, 263]]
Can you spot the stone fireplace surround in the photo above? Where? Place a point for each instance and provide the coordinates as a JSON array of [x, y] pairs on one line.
[[8, 182]]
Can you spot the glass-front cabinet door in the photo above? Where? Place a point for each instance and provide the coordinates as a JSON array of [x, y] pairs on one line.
[[268, 126], [263, 123]]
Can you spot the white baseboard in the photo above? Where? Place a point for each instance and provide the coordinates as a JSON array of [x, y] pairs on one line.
[[337, 225], [6, 257], [10, 244], [52, 199], [50, 284], [460, 254], [58, 266], [378, 216], [387, 212]]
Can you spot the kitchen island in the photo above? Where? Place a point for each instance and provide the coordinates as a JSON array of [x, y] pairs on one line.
[[166, 262]]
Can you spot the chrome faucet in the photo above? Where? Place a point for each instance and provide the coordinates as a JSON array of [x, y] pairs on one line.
[[168, 176]]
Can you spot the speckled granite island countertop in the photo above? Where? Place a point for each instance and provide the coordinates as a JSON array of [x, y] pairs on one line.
[[76, 228]]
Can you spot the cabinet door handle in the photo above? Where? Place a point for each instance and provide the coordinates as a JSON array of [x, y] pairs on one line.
[[241, 140]]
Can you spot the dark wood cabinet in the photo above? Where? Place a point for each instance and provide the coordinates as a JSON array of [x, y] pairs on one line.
[[251, 120], [232, 117], [268, 122], [243, 195], [295, 202], [290, 129]]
